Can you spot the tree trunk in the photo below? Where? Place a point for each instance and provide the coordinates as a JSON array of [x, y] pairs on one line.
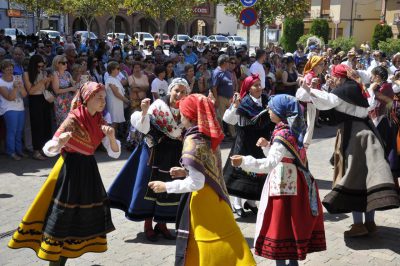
[[176, 26], [262, 29], [38, 21], [161, 26], [113, 18], [88, 22]]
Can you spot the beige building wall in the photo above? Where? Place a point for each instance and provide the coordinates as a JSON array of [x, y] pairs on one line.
[[393, 16], [366, 14]]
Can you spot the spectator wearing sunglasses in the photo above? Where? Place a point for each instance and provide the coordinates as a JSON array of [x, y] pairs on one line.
[[190, 56], [63, 87], [36, 81]]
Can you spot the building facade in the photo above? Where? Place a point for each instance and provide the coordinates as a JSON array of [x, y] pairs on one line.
[[202, 23], [354, 18]]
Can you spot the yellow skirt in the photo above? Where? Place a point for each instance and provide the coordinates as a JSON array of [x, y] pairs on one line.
[[30, 231], [215, 238]]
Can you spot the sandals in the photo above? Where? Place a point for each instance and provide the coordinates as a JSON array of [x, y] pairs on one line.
[[38, 156]]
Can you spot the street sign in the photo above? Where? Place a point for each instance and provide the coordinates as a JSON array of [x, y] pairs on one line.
[[248, 3], [248, 16]]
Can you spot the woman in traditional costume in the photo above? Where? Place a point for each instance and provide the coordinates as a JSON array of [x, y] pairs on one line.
[[362, 180], [290, 218], [207, 231], [379, 114], [251, 118], [71, 214], [159, 150], [312, 69]]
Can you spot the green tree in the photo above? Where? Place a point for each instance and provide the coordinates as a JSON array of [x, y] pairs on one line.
[[268, 11], [293, 29], [390, 46], [320, 28], [381, 33], [162, 10], [344, 43], [39, 6], [88, 9]]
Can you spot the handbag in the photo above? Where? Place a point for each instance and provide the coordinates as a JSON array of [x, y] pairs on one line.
[[283, 180], [49, 96]]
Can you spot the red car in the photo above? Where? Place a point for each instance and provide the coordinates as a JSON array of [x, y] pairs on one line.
[[166, 40]]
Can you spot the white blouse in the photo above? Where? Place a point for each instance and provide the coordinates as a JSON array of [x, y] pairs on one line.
[[325, 101], [192, 182], [274, 156], [142, 124], [106, 143]]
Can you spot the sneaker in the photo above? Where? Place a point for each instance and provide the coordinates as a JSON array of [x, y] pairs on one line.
[[356, 230], [15, 157], [371, 227]]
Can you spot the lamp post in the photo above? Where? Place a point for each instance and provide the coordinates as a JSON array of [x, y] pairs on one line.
[[351, 19], [336, 21]]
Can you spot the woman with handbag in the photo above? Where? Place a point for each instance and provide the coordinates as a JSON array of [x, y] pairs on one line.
[[36, 84], [290, 221]]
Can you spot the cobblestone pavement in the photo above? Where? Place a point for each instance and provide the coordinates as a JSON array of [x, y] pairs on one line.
[[20, 181]]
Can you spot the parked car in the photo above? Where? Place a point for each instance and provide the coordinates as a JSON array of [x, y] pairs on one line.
[[144, 38], [181, 38], [51, 34], [201, 38], [218, 40], [166, 40], [13, 32], [84, 35], [237, 41], [121, 36]]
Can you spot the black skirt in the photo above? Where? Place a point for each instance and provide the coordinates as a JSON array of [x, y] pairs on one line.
[[80, 208]]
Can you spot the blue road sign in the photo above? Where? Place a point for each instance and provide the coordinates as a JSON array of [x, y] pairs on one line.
[[248, 3], [248, 16]]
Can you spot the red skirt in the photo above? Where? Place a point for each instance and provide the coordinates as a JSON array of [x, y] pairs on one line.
[[289, 230]]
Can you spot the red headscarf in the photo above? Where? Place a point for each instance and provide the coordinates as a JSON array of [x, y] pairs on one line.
[[247, 83], [87, 91], [344, 71], [85, 128], [200, 109]]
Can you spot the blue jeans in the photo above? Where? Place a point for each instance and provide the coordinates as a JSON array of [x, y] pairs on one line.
[[358, 219], [14, 128]]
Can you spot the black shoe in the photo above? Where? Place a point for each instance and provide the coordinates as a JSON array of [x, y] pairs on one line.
[[239, 212], [247, 206], [164, 231], [151, 235]]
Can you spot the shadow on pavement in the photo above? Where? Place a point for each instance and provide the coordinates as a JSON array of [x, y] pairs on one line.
[[5, 196], [324, 184], [250, 241], [141, 238], [250, 218], [384, 238], [329, 217]]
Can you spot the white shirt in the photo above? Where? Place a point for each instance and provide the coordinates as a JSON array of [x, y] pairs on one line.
[[106, 143], [274, 156], [193, 182], [142, 124], [325, 101], [119, 77], [257, 68], [6, 105], [159, 86]]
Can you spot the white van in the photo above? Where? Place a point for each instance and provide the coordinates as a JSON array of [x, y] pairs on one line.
[[144, 38]]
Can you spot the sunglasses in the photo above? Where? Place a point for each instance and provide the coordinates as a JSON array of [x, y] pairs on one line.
[[49, 46], [233, 63], [150, 62], [41, 66], [63, 62], [95, 61], [189, 46]]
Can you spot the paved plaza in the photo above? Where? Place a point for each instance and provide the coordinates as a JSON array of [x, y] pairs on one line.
[[20, 181]]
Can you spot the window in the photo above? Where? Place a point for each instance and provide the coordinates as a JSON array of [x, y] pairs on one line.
[[325, 7]]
